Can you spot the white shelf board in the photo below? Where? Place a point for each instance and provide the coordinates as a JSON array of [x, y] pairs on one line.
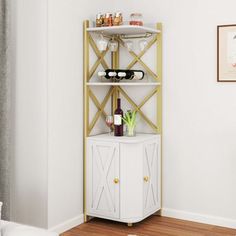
[[140, 137], [124, 30], [123, 84]]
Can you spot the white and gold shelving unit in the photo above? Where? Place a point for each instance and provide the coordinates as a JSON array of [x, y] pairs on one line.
[[122, 175]]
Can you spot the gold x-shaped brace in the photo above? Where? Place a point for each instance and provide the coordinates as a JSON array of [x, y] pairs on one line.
[[99, 106], [100, 56], [138, 107], [137, 58]]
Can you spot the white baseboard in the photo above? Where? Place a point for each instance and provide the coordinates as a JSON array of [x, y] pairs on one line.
[[183, 215], [206, 219], [67, 225]]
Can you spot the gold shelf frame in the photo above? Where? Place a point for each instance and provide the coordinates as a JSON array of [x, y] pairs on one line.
[[114, 91]]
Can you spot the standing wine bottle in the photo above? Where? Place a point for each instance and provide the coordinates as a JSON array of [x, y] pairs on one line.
[[118, 122]]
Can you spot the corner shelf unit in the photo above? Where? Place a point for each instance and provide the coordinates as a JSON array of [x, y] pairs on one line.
[[113, 164]]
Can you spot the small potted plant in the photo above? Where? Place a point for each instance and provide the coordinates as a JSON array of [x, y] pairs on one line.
[[130, 121]]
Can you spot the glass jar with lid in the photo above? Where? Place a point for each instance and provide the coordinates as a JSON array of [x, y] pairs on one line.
[[136, 19], [108, 20], [99, 20], [118, 19]]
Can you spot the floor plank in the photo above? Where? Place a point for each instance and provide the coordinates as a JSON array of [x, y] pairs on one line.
[[153, 226]]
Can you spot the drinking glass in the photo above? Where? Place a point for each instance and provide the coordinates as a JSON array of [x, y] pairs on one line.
[[113, 45], [109, 122], [129, 45], [142, 44], [102, 43]]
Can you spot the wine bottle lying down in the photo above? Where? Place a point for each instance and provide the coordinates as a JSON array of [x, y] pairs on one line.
[[122, 74]]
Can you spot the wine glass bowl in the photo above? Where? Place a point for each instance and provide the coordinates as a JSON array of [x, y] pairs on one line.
[[113, 45], [129, 45], [143, 44], [102, 43]]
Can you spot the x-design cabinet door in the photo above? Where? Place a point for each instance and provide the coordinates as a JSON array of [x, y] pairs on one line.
[[151, 176], [103, 179]]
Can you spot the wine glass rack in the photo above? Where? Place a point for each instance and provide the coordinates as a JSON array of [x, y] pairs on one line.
[[120, 33]]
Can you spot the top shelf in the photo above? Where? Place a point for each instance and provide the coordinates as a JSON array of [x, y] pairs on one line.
[[124, 30]]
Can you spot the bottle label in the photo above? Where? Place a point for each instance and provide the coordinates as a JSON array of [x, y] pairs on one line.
[[117, 120]]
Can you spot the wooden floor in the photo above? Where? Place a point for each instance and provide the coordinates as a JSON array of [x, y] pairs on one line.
[[153, 226]]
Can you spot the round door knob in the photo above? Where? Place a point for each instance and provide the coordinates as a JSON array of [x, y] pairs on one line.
[[116, 180], [145, 178]]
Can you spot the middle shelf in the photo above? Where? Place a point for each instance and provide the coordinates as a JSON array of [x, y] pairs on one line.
[[123, 84], [139, 137]]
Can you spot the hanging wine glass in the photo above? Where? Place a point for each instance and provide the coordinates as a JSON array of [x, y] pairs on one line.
[[129, 45], [143, 44], [102, 43], [113, 45]]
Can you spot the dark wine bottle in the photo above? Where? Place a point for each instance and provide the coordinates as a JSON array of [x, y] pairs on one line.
[[138, 74], [122, 74], [130, 74], [108, 74], [118, 122], [126, 74]]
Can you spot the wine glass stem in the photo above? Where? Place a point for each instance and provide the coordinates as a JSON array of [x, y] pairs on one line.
[[110, 131]]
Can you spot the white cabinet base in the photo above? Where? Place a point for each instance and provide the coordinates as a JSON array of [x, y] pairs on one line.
[[123, 177]]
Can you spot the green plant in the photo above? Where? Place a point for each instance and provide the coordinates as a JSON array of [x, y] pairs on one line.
[[130, 121]]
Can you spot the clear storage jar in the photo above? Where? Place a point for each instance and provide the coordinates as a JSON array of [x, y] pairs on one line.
[[99, 20], [108, 20], [118, 19], [136, 19]]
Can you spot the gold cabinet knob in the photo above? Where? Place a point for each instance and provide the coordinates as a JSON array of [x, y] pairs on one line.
[[145, 178], [116, 180]]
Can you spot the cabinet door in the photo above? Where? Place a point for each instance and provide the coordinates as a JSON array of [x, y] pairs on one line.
[[151, 178], [103, 179]]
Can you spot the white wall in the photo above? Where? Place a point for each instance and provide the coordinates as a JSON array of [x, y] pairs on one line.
[[29, 41], [65, 54], [199, 130], [199, 114], [48, 65]]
